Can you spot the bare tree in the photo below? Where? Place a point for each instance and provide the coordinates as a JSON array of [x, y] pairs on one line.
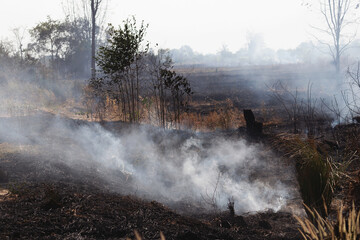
[[290, 101], [338, 18], [95, 5], [95, 12], [19, 34], [303, 110], [351, 96]]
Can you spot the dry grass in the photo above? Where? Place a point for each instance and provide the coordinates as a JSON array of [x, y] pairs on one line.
[[20, 99], [25, 99], [138, 236], [319, 228], [216, 119]]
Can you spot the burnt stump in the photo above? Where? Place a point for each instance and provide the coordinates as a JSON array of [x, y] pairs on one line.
[[253, 127]]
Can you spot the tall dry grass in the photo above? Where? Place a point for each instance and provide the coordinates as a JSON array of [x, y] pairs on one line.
[[320, 228]]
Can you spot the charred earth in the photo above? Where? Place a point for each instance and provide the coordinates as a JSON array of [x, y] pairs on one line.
[[46, 194]]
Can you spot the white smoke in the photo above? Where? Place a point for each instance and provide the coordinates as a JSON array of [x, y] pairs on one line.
[[168, 166]]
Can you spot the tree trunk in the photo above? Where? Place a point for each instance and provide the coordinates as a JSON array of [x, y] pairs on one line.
[[93, 38], [337, 61]]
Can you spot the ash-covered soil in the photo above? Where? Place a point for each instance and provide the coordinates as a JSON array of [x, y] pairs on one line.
[[65, 211], [44, 196]]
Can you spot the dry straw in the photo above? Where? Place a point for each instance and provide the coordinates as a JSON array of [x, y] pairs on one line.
[[345, 228]]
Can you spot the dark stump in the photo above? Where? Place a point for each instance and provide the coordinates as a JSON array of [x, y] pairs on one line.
[[253, 128]]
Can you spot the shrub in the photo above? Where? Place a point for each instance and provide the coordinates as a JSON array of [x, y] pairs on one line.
[[314, 177], [317, 173]]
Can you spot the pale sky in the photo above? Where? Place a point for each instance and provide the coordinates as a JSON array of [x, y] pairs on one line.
[[205, 25]]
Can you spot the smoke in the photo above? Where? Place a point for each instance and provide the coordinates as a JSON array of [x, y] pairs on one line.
[[203, 169]]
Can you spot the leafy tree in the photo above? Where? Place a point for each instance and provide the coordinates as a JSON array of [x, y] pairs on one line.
[[49, 38], [6, 60], [120, 65], [169, 90], [66, 42], [13, 66], [78, 55], [179, 88], [135, 77]]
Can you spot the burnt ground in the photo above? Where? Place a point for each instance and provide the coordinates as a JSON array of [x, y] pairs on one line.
[[44, 199], [64, 211], [249, 86]]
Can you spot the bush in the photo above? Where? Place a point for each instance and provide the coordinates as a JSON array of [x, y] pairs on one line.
[[314, 177], [317, 173]]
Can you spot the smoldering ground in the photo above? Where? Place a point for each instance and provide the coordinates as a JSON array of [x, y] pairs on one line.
[[201, 169]]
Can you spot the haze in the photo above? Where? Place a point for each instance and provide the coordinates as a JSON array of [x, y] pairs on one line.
[[205, 25]]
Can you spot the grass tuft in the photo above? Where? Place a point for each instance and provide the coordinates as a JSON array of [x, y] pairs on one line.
[[320, 228], [317, 172]]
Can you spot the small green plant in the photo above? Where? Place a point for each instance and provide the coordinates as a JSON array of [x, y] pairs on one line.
[[320, 228]]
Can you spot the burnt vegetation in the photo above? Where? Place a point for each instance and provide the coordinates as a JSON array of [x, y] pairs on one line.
[[66, 110]]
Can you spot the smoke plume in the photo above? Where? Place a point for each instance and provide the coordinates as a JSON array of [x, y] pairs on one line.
[[204, 169]]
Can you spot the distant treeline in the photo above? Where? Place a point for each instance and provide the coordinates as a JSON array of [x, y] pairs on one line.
[[133, 82], [256, 53]]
